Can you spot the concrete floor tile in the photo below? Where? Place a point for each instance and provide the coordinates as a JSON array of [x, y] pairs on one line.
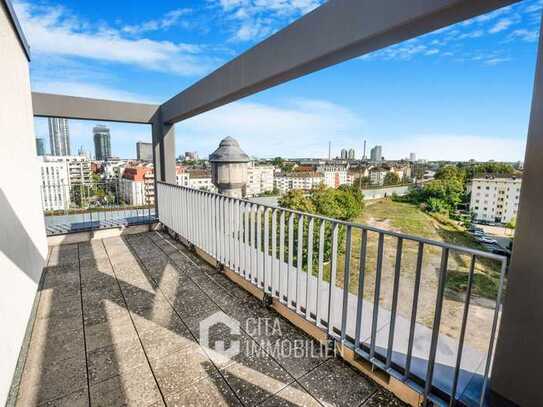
[[162, 341], [292, 395], [106, 312], [256, 379], [56, 306], [177, 371], [78, 398], [48, 345], [211, 391], [49, 381], [335, 383], [136, 388], [112, 360], [110, 332]]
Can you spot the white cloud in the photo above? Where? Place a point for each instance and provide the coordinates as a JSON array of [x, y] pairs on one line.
[[254, 19], [302, 128], [89, 90], [525, 35], [53, 31], [501, 25], [169, 20]]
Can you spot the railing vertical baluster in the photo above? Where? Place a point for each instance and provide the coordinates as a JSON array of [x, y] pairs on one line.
[[266, 249], [333, 270], [209, 225], [377, 294], [290, 256], [252, 244], [236, 235], [346, 280], [436, 324], [493, 331], [273, 268], [242, 238], [394, 305], [246, 245], [416, 289], [281, 253], [258, 247], [361, 280], [320, 272], [310, 227], [232, 233], [299, 260], [462, 332]]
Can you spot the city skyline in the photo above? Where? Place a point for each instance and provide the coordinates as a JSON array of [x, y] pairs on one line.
[[408, 96]]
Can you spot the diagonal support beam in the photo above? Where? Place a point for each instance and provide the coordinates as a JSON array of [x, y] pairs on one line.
[[337, 31], [71, 107]]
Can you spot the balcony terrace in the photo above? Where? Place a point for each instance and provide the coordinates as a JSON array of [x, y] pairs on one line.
[[116, 320], [117, 323]]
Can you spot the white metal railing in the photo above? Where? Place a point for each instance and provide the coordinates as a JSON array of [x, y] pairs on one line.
[[293, 256]]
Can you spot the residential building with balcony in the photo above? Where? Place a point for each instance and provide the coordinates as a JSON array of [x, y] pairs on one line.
[[495, 199], [298, 180], [334, 176], [55, 181], [137, 185]]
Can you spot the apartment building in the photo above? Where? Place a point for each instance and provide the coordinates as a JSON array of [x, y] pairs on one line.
[[298, 180], [55, 189], [137, 185], [259, 180], [495, 199], [334, 176], [78, 167], [201, 179]]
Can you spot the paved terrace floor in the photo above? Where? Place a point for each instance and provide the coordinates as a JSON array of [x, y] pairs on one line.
[[118, 324]]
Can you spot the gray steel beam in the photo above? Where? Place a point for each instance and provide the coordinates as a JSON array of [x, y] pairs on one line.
[[337, 31], [71, 107], [519, 353]]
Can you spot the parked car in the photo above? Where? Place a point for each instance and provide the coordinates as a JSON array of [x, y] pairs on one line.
[[488, 240], [478, 233]]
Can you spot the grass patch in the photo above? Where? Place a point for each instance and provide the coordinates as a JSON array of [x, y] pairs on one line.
[[410, 219]]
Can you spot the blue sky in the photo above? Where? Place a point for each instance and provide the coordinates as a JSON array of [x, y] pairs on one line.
[[462, 92]]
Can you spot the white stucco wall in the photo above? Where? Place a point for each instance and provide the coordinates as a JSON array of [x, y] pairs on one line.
[[23, 245]]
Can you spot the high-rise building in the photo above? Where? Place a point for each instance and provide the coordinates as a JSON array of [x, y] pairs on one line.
[[144, 151], [412, 157], [344, 154], [59, 136], [40, 146], [102, 143], [352, 154], [376, 154]]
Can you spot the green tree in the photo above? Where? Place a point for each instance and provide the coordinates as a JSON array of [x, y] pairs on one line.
[[512, 224], [391, 178], [345, 203]]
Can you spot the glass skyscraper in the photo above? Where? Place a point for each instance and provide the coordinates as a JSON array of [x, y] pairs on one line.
[[102, 143], [59, 136]]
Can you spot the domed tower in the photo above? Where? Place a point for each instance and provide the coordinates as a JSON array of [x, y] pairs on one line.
[[229, 168]]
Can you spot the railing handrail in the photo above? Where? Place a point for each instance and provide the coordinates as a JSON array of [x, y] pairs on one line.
[[444, 245]]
